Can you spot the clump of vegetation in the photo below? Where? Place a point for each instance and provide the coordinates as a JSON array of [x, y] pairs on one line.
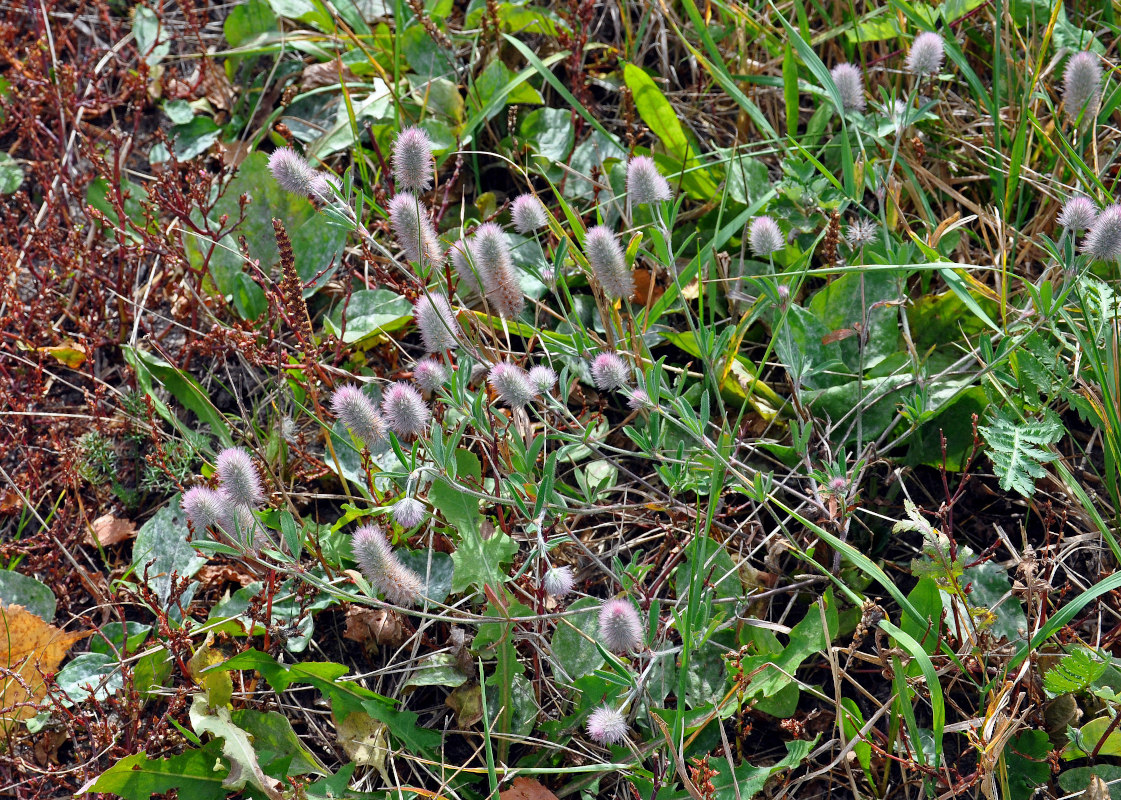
[[451, 399]]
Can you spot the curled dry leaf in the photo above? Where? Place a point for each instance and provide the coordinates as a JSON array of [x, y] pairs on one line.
[[373, 626], [108, 530], [29, 648]]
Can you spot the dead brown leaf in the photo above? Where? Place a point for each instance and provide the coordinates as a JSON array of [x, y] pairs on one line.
[[215, 575], [374, 626], [325, 73], [29, 648], [109, 530], [526, 789], [467, 703]]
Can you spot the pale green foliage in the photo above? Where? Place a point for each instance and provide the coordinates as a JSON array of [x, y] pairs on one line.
[[1019, 449]]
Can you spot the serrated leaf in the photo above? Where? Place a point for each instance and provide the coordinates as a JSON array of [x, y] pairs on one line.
[[478, 561], [197, 774], [1018, 449], [237, 746], [1074, 673]]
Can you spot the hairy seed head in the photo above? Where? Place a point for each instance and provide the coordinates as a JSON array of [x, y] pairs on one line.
[[850, 85], [496, 268], [639, 401], [1078, 214], [645, 184], [1082, 82], [436, 320], [925, 57], [381, 567], [291, 171], [543, 378], [610, 372], [764, 236], [408, 512], [606, 726], [511, 384], [558, 582], [404, 411], [238, 478], [359, 414], [620, 629], [413, 229], [412, 160], [527, 213], [1103, 241], [860, 233], [608, 262], [461, 256], [204, 507], [430, 374]]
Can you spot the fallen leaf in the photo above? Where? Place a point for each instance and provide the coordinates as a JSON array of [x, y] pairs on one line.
[[216, 575], [325, 73], [467, 703], [374, 626], [646, 291], [10, 502], [364, 739], [47, 745], [71, 354], [109, 530], [526, 789], [29, 648]]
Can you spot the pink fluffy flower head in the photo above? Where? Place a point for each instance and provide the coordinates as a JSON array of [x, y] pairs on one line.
[[1103, 241], [608, 262], [291, 171], [359, 414], [527, 214], [511, 384], [543, 378], [645, 184], [609, 372], [1082, 81], [238, 478], [926, 54], [850, 85], [496, 268], [620, 629], [404, 411], [383, 569], [204, 507], [1078, 214], [430, 374], [323, 187], [461, 257], [408, 512], [764, 236], [558, 582], [436, 320], [413, 229], [412, 160], [606, 726]]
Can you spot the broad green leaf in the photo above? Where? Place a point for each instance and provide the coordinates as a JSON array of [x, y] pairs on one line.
[[574, 655], [237, 746], [152, 41], [197, 773], [310, 12], [1093, 735], [459, 508], [19, 589], [161, 549], [151, 370], [370, 312], [657, 112], [274, 740], [1075, 781], [194, 138], [11, 174], [89, 675], [479, 561], [247, 20], [436, 571]]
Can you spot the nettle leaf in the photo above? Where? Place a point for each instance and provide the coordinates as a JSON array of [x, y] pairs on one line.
[[1019, 449], [197, 774], [1075, 673]]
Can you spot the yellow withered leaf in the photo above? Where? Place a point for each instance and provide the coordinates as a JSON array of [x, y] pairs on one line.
[[29, 648]]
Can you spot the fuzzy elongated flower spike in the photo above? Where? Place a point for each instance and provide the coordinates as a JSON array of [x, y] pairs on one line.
[[359, 414], [543, 378], [1104, 239], [404, 411], [408, 512], [527, 214], [430, 374], [1078, 214], [496, 268], [238, 478], [383, 569], [511, 384], [204, 507], [1082, 81], [620, 629], [558, 582], [764, 236], [436, 320], [412, 160], [609, 372], [645, 184], [850, 85], [608, 262], [291, 171], [460, 256], [323, 186], [413, 229], [606, 726], [926, 54]]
